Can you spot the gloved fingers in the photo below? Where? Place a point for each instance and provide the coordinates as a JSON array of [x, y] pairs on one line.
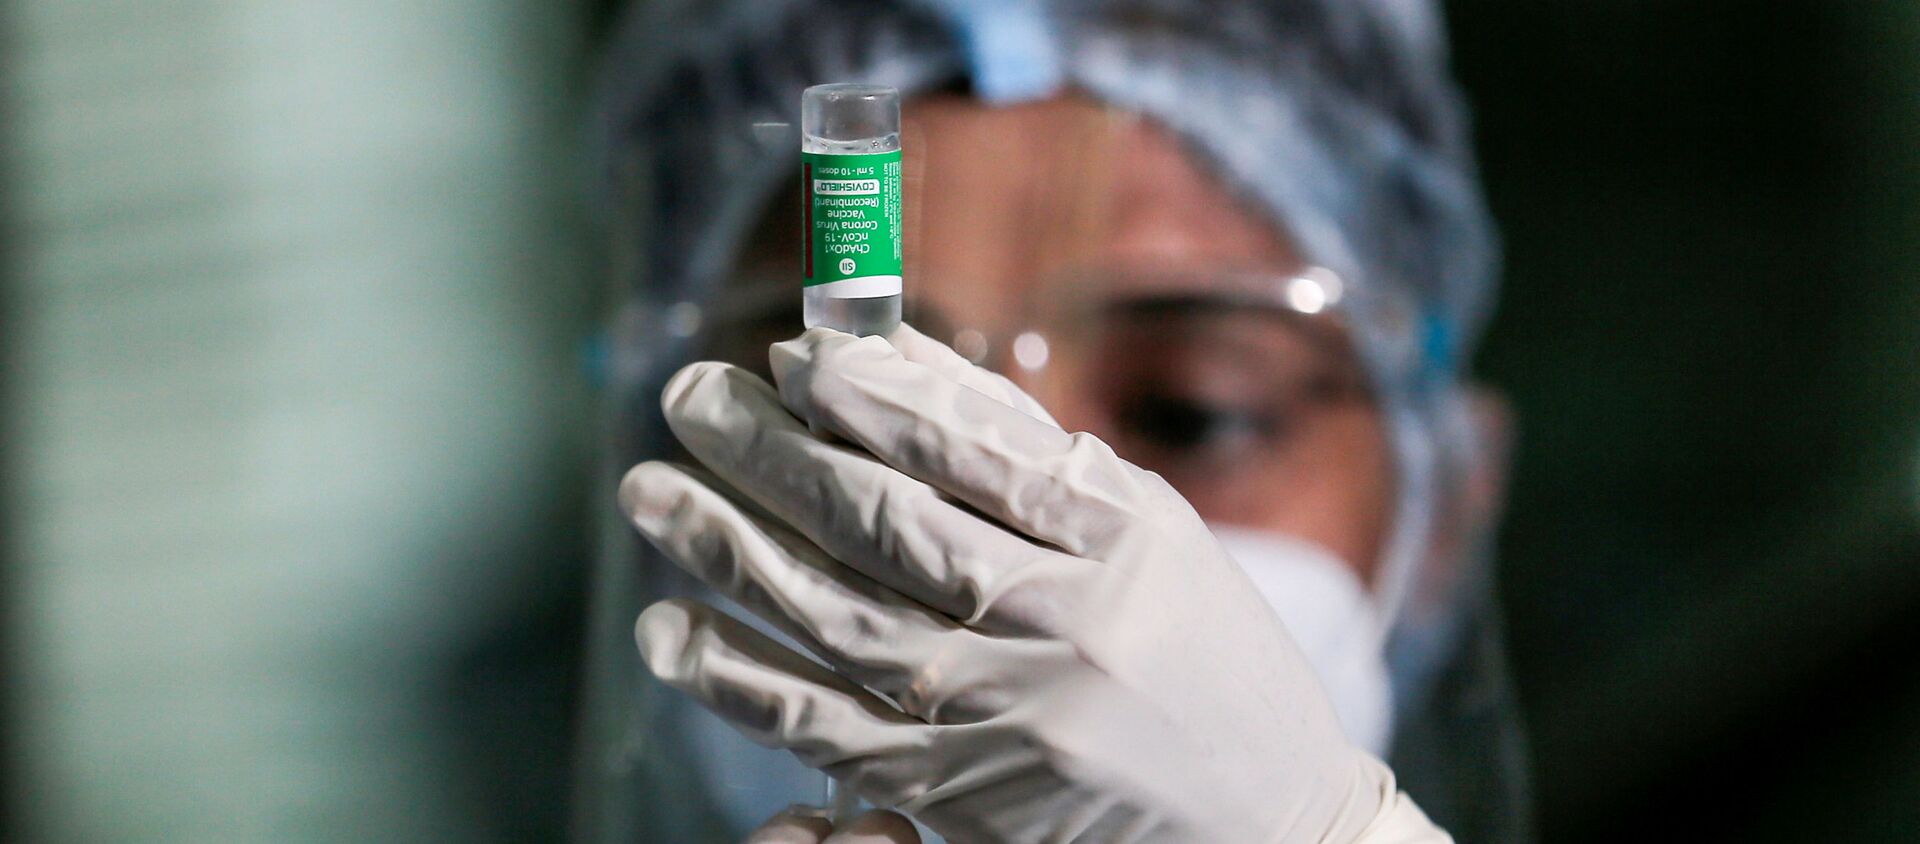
[[897, 530], [795, 825], [770, 693], [866, 631], [937, 356], [876, 827], [807, 825], [1066, 489]]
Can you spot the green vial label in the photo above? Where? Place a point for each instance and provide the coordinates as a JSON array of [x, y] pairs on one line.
[[853, 222]]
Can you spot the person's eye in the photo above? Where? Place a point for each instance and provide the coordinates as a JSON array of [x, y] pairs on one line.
[[1193, 427]]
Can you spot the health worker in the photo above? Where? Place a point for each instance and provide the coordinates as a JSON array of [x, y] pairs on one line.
[[1163, 518]]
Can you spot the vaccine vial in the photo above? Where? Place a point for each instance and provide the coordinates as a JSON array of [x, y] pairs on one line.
[[850, 172]]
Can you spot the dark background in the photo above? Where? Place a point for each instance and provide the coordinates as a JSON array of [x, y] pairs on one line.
[[1711, 328]]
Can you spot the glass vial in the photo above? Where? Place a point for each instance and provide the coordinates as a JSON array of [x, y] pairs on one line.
[[850, 172]]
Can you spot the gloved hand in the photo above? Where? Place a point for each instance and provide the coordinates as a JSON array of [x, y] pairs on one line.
[[799, 826], [1030, 639]]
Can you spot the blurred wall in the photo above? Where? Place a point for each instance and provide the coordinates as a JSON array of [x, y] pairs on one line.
[[295, 422], [1711, 328]]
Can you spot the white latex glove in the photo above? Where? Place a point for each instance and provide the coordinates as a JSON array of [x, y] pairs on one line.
[[1030, 639], [802, 826]]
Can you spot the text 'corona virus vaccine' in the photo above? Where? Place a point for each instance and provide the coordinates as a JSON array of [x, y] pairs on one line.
[[850, 172]]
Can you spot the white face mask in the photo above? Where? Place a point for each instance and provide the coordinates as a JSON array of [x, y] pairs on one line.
[[1334, 620]]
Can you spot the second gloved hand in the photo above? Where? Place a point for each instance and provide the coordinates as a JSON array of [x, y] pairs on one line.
[[1029, 639]]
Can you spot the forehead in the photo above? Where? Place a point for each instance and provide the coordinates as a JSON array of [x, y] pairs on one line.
[[1006, 203]]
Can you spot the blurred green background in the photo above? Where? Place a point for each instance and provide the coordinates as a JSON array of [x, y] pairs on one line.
[[296, 442], [294, 426]]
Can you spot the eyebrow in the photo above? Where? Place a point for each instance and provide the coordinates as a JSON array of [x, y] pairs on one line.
[[757, 300], [1319, 330]]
